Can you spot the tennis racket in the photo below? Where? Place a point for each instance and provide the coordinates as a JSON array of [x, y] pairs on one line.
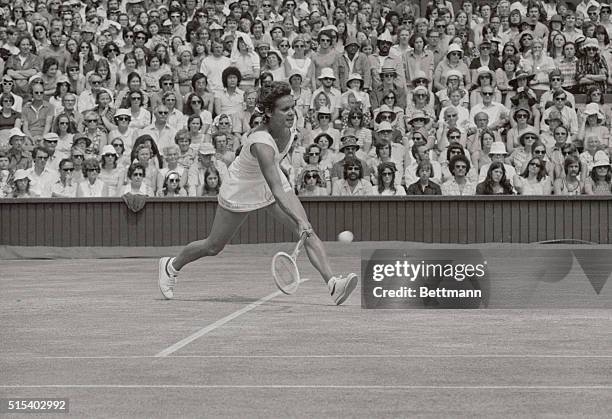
[[284, 268]]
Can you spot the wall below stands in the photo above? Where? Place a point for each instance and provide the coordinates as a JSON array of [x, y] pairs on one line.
[[176, 221]]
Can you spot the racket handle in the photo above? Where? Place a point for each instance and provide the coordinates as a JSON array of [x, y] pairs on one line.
[[299, 245]]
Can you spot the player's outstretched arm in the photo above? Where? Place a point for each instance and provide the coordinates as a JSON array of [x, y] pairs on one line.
[[265, 156]]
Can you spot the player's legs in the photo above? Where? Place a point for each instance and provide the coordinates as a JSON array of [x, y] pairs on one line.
[[314, 246], [225, 225]]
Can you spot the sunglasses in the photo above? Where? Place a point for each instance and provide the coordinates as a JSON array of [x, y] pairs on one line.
[[455, 137], [535, 164], [311, 176], [387, 173], [7, 83], [565, 153], [522, 116], [327, 41], [173, 180], [530, 137], [560, 99], [68, 170], [487, 93], [168, 83], [324, 116], [96, 83], [163, 112], [196, 102], [388, 76], [139, 174], [123, 118], [91, 120], [556, 79], [117, 145], [78, 156], [135, 98], [353, 168], [539, 151]]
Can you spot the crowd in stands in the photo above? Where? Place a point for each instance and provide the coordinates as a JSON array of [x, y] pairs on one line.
[[103, 98]]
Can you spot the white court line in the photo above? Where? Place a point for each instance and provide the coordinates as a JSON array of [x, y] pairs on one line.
[[180, 344], [356, 356], [306, 386]]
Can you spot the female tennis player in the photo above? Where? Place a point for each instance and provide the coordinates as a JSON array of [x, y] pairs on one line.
[[256, 181]]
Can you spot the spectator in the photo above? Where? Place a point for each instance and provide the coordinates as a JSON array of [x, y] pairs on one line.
[[386, 183], [136, 186], [9, 118], [187, 154], [109, 170], [37, 115], [171, 154], [349, 148], [21, 185], [534, 179], [311, 181], [65, 187], [570, 184], [424, 184], [459, 184], [20, 67], [592, 125], [19, 158], [420, 152], [212, 182], [170, 186], [496, 182], [7, 88], [206, 159], [600, 181], [352, 182], [41, 177], [161, 132]]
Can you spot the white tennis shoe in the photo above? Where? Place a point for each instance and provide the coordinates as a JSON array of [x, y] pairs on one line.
[[341, 287], [166, 281]]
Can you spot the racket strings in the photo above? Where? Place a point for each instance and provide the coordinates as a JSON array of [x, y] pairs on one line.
[[285, 271]]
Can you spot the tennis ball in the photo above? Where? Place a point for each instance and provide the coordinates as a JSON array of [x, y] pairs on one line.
[[346, 237]]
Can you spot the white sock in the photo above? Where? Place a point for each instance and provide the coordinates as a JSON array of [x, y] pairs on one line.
[[170, 268]]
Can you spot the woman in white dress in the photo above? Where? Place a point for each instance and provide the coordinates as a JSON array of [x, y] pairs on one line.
[[256, 181]]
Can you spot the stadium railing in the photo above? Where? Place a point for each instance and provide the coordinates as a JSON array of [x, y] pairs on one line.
[[440, 219]]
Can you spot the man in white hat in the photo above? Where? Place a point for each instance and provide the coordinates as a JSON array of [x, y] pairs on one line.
[[327, 79], [498, 153], [50, 141], [383, 59], [206, 160], [390, 82], [353, 61], [18, 157]]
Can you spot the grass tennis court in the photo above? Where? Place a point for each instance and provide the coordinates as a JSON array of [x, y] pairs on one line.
[[98, 333]]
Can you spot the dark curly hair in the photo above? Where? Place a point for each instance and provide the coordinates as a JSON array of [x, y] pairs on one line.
[[267, 101], [230, 71]]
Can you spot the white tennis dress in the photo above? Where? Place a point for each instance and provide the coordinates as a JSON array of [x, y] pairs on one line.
[[246, 188]]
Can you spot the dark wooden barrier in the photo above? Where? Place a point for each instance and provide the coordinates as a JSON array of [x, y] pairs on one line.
[[165, 222]]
